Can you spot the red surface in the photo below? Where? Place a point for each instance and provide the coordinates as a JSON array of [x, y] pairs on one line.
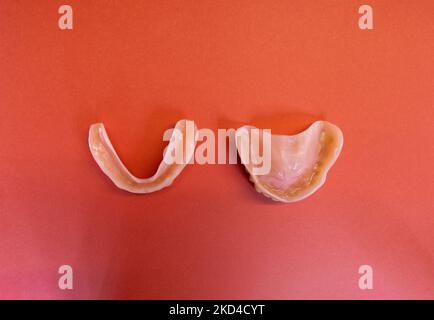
[[139, 66]]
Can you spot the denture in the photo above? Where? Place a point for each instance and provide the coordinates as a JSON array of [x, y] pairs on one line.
[[183, 137], [299, 163]]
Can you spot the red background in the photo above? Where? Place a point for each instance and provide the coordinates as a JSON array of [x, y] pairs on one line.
[[138, 67]]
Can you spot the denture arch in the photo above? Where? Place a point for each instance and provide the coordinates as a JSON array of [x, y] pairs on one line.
[[110, 163], [299, 163]]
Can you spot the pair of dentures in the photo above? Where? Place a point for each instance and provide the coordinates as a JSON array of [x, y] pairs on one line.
[[299, 163]]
